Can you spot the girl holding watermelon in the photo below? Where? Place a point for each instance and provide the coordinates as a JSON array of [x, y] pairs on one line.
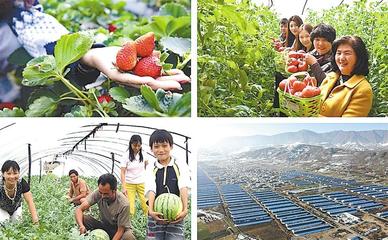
[[12, 191], [133, 174], [345, 91]]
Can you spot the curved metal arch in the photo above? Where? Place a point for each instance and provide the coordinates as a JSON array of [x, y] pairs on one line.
[[136, 126], [9, 125], [103, 130], [97, 147], [105, 168]]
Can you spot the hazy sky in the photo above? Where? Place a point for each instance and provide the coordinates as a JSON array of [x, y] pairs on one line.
[[287, 8], [214, 129]]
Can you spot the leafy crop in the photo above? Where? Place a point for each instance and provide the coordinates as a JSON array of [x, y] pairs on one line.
[[237, 64], [235, 58], [52, 92], [56, 215]]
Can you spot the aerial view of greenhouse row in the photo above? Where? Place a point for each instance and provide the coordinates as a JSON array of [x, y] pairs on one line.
[[90, 180]]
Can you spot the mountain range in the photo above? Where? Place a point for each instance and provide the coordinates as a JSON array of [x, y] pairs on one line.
[[357, 140]]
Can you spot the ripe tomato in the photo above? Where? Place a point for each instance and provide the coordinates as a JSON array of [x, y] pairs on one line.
[[293, 54], [310, 81], [302, 66], [282, 84], [309, 92], [298, 86], [293, 61], [292, 69]]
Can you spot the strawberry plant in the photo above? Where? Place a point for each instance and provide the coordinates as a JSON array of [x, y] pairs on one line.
[[56, 215], [49, 90]]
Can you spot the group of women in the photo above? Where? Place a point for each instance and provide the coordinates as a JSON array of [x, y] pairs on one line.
[[13, 188], [340, 66]]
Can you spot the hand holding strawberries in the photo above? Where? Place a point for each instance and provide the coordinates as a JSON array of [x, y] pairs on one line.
[[117, 62]]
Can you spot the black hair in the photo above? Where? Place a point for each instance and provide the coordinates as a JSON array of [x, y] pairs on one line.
[[108, 178], [284, 21], [361, 67], [135, 139], [290, 38], [73, 171], [324, 31], [161, 136], [308, 28], [10, 164]]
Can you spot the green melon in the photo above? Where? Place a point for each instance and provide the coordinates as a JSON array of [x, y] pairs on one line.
[[99, 234], [169, 205]]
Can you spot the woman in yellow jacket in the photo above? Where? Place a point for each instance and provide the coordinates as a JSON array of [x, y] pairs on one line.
[[346, 92]]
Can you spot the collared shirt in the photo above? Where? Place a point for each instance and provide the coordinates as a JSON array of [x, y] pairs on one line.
[[114, 213], [135, 170], [183, 180], [79, 187], [353, 98]]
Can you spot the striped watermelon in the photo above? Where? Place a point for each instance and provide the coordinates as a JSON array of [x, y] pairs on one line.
[[99, 234], [169, 205]]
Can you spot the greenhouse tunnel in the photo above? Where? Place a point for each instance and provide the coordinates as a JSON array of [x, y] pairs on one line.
[[91, 149]]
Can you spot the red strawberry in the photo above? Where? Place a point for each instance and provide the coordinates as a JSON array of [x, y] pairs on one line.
[[112, 27], [148, 66], [145, 44], [126, 57], [105, 98]]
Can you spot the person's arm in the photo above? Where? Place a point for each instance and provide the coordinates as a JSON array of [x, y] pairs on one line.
[[79, 216], [103, 59], [124, 190], [31, 206], [119, 233], [145, 164], [185, 210], [360, 103]]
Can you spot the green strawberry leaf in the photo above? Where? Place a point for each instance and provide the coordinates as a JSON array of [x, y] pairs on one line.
[[182, 107], [150, 97], [119, 94], [139, 106], [14, 112], [177, 45], [42, 107], [40, 71], [80, 111], [72, 47], [178, 24], [159, 25], [173, 9]]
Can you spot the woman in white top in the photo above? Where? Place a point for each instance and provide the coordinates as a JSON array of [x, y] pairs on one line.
[[133, 174]]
